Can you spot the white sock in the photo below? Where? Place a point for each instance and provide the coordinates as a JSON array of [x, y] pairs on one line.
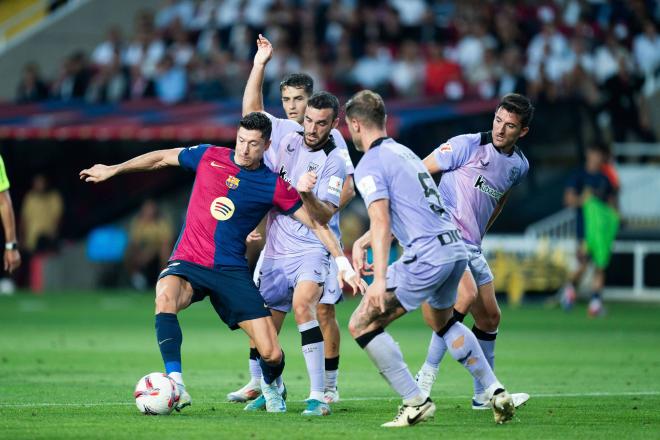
[[331, 379], [436, 351], [313, 351], [177, 377], [488, 347], [280, 384], [386, 355], [255, 372], [463, 346]]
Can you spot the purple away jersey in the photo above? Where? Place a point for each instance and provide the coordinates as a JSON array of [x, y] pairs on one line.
[[291, 158], [392, 171], [475, 175]]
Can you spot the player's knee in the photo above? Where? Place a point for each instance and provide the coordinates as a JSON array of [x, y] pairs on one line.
[[303, 312], [271, 354], [354, 328], [325, 313], [165, 302], [490, 321]]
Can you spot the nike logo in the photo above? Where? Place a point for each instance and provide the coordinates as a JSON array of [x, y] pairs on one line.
[[484, 164], [414, 419], [217, 165], [165, 340]]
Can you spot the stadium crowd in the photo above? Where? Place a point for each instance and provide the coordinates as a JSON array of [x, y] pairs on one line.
[[604, 55]]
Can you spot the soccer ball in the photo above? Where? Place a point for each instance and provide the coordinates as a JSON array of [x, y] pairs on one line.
[[156, 394]]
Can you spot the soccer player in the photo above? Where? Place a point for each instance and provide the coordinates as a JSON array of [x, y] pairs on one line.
[[296, 90], [233, 190], [12, 258], [401, 199], [478, 172]]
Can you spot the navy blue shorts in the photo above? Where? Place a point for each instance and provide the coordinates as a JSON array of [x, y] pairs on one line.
[[233, 294]]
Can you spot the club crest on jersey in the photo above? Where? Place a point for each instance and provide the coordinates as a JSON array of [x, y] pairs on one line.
[[222, 209], [312, 167], [514, 174], [232, 182], [445, 148]]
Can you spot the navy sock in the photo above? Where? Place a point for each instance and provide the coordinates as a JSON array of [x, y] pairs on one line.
[[271, 372], [168, 334]]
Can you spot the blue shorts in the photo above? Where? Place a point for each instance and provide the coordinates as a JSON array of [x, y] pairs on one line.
[[233, 294]]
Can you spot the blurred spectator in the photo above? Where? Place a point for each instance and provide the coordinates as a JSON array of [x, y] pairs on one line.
[[73, 79], [171, 82], [511, 79], [110, 84], [31, 88], [145, 51], [149, 245], [106, 52], [407, 74], [622, 103], [646, 47], [440, 72], [41, 215], [371, 70]]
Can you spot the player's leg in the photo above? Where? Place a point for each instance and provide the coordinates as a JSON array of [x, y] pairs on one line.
[[568, 293], [173, 294], [271, 359], [595, 308], [306, 296], [463, 346], [467, 293], [367, 326], [326, 316]]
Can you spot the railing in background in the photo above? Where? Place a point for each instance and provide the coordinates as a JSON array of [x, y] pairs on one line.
[[558, 226], [556, 253]]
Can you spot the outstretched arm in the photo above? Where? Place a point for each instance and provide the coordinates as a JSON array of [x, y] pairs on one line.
[[431, 163], [329, 240], [145, 162], [253, 100]]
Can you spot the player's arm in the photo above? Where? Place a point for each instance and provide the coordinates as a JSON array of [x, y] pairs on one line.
[[320, 210], [347, 192], [380, 239], [431, 164], [498, 208], [329, 240], [153, 160], [12, 258], [253, 100]]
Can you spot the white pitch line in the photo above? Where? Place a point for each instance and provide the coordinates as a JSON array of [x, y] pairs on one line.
[[347, 399]]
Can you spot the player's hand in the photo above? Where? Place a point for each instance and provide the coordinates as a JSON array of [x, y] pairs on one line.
[[376, 294], [12, 260], [351, 278], [306, 182], [253, 236], [360, 263], [97, 173], [264, 51]]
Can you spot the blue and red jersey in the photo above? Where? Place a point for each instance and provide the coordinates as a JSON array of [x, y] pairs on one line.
[[227, 202]]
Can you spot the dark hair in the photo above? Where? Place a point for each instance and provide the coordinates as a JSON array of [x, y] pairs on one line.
[[298, 81], [367, 106], [321, 100], [600, 147], [518, 104], [257, 121]]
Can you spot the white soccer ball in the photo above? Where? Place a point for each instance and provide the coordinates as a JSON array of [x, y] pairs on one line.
[[156, 394]]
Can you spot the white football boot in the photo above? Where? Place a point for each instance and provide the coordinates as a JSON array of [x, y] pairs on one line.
[[503, 407], [184, 397], [249, 392], [331, 396], [482, 402], [412, 415], [274, 400]]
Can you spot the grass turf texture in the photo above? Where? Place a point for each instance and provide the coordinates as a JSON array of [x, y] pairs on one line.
[[69, 364]]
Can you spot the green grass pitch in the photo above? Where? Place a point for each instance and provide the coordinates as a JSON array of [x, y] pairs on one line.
[[69, 362]]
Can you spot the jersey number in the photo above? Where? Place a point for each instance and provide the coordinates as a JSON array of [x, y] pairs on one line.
[[430, 193]]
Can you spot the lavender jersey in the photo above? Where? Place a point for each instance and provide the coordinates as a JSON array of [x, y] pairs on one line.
[[475, 176], [291, 159], [392, 171], [282, 127]]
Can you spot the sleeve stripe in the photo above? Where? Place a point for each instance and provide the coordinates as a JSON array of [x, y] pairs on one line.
[[294, 208]]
